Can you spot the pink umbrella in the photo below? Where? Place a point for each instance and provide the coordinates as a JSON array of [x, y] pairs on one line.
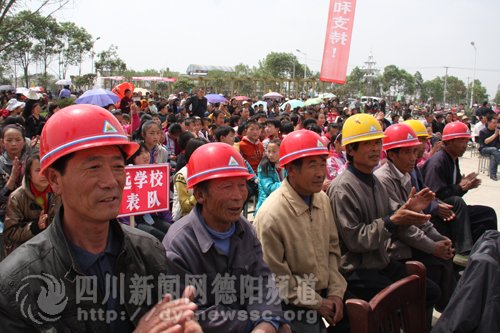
[[241, 98], [272, 95]]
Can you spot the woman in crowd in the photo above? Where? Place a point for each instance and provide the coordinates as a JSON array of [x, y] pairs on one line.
[[30, 208], [12, 161], [184, 200]]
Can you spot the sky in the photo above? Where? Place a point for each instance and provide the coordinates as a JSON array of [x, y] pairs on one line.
[[423, 35]]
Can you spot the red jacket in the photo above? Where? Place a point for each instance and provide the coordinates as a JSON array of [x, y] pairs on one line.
[[252, 152]]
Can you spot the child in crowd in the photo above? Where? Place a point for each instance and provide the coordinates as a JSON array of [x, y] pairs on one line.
[[251, 148], [152, 132], [156, 224], [30, 208], [269, 174]]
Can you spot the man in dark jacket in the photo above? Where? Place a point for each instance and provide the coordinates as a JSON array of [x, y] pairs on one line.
[[198, 104], [442, 174], [218, 248], [86, 272]]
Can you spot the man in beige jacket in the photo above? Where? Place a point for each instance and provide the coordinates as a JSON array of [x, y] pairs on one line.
[[299, 238]]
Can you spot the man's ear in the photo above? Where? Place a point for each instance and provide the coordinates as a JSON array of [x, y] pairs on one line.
[[55, 180], [200, 195]]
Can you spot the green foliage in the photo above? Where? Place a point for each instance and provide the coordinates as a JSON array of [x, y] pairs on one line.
[[455, 90], [183, 84], [480, 93], [77, 42], [497, 97], [397, 81], [109, 63]]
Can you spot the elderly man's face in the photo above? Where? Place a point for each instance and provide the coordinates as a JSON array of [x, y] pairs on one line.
[[223, 199], [91, 186]]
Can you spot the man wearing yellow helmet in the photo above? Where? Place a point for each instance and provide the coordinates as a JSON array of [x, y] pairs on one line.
[[365, 216]]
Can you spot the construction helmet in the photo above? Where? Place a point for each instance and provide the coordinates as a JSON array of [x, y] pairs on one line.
[[361, 127], [418, 127], [299, 144], [400, 136], [79, 127], [213, 161], [456, 130]]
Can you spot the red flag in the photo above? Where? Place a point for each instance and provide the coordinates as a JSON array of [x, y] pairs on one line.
[[337, 41]]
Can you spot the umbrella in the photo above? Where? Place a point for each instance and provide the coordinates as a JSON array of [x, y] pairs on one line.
[[119, 90], [313, 101], [326, 95], [254, 105], [241, 98], [38, 89], [99, 97], [7, 88], [64, 82], [272, 95], [294, 103], [21, 90], [215, 98], [141, 90]]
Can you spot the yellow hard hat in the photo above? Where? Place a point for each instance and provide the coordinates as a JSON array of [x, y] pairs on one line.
[[361, 127], [418, 127]]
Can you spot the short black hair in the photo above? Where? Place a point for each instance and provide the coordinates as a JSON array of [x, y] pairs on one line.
[[223, 131], [308, 122], [354, 146], [287, 127], [175, 129], [275, 122], [184, 139]]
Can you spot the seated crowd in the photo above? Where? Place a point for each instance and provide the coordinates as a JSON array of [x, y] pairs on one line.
[[342, 199]]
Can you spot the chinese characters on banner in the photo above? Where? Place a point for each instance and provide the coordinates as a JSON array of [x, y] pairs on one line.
[[337, 41], [146, 189]]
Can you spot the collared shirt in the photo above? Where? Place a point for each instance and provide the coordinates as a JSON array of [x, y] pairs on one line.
[[101, 265], [405, 178]]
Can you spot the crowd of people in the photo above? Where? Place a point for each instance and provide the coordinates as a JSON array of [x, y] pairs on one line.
[[344, 195]]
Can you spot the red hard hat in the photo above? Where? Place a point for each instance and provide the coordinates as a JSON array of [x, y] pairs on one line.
[[299, 144], [456, 130], [213, 161], [400, 136], [79, 127]]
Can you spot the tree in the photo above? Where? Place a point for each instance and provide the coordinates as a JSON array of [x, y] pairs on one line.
[[455, 90], [47, 36], [397, 81], [419, 84], [183, 84], [497, 97], [109, 63], [433, 88], [282, 65], [76, 43], [480, 93]]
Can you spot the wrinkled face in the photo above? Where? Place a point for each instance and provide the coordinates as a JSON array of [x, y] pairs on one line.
[[91, 186], [457, 147], [405, 159], [367, 156], [13, 142], [273, 152], [38, 180], [309, 177], [223, 199]]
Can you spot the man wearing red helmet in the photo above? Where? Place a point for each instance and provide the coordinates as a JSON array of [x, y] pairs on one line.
[[425, 243], [217, 247], [81, 270], [442, 174], [299, 239]]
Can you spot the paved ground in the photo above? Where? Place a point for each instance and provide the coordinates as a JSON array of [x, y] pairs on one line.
[[486, 194]]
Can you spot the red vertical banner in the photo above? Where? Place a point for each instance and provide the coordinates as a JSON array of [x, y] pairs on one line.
[[337, 41]]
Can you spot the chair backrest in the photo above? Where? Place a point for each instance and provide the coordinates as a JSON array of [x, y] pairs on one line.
[[398, 308]]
